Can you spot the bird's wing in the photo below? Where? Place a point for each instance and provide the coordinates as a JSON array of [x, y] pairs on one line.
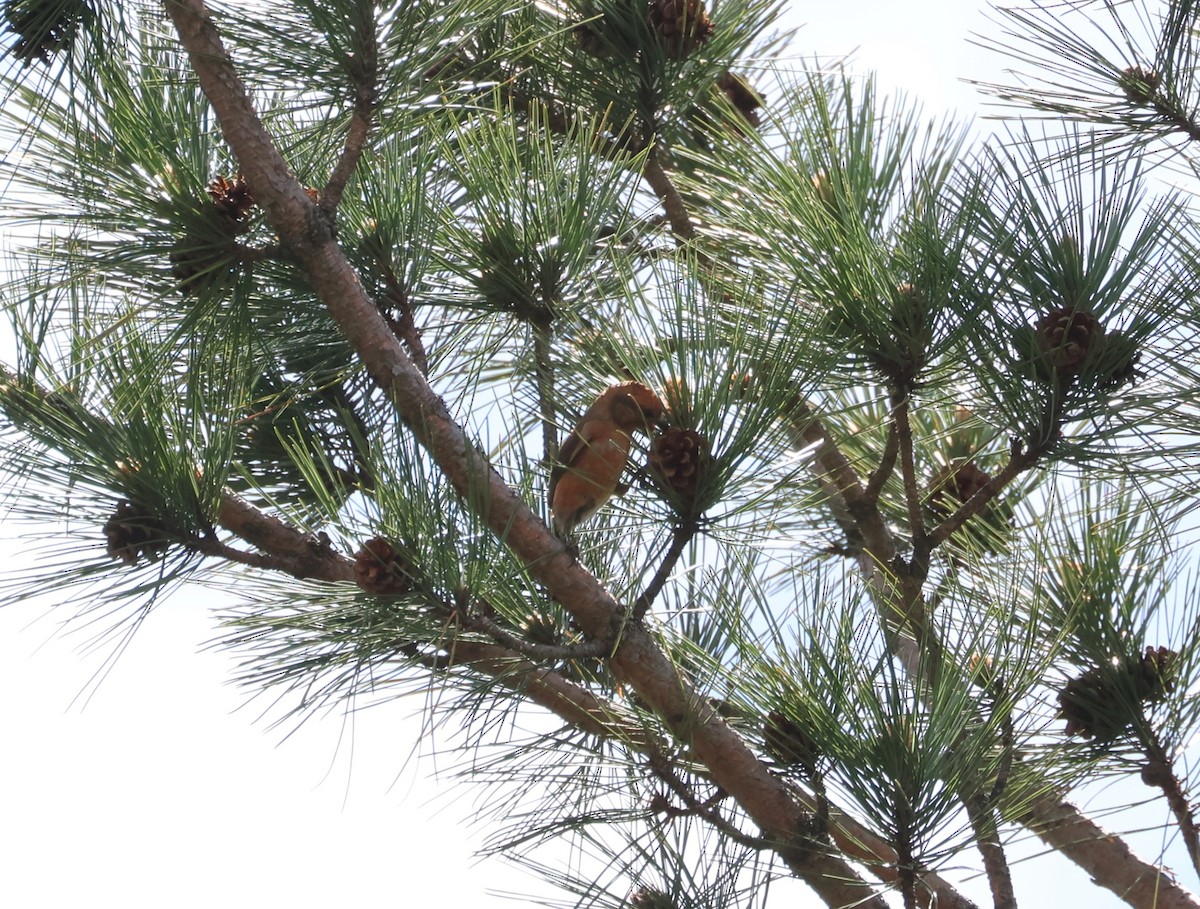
[[581, 438]]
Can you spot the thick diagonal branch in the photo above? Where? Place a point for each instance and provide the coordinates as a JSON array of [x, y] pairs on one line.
[[638, 660]]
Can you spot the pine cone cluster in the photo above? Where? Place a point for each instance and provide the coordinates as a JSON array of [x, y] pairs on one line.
[[44, 27], [683, 24], [1067, 342], [1103, 702], [683, 27], [132, 532], [382, 568], [1065, 339], [790, 745], [1139, 84], [678, 457]]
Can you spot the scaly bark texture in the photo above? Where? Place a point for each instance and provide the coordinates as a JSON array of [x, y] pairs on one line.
[[636, 659]]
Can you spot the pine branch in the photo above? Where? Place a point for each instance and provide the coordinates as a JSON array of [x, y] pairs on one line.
[[637, 659], [1106, 858], [1159, 772], [364, 69], [405, 327], [477, 621], [544, 375], [672, 202], [681, 536], [912, 494]]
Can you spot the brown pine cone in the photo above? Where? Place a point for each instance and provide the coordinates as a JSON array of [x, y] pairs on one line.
[[954, 485], [1101, 703], [132, 532], [678, 457], [1065, 338], [647, 898], [590, 41], [742, 96], [683, 24], [233, 202], [1139, 84], [44, 28], [788, 744], [379, 567]]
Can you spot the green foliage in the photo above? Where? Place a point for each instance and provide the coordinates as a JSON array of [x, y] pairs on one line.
[[940, 397]]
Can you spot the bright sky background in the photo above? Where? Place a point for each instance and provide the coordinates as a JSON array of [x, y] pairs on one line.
[[166, 789]]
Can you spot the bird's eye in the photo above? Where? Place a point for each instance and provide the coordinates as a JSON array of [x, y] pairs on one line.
[[625, 409]]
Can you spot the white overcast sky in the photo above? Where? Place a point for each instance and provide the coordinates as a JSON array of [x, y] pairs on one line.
[[166, 790]]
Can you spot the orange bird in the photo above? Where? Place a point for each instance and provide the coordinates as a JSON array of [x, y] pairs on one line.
[[593, 457]]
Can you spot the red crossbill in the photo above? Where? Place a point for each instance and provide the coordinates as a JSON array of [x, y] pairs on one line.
[[593, 456]]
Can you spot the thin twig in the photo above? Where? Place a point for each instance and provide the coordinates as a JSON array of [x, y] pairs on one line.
[[364, 69], [663, 768], [680, 537], [403, 327], [477, 621], [887, 463], [543, 364], [908, 470]]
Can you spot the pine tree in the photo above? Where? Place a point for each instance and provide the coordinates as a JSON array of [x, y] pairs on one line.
[[899, 567]]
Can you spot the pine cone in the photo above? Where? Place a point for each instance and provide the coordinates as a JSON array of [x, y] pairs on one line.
[[683, 24], [379, 567], [1139, 84], [788, 744], [742, 96], [954, 485], [648, 898], [232, 201], [198, 265], [1120, 359], [1065, 338], [1101, 703], [44, 27], [678, 457], [132, 532], [541, 629], [590, 40]]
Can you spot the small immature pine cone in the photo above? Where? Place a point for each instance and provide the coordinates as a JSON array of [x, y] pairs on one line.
[[679, 457], [1139, 84], [1065, 338], [132, 532], [379, 567], [590, 41], [683, 24]]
